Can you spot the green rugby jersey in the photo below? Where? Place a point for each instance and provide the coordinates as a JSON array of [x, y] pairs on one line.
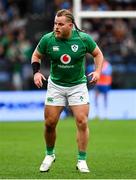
[[67, 57]]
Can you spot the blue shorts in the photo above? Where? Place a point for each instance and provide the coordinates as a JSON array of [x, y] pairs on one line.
[[102, 88]]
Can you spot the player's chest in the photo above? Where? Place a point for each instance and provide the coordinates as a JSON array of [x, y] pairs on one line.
[[74, 50]]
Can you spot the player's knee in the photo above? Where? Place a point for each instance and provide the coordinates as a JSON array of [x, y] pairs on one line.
[[50, 122], [50, 126], [82, 121]]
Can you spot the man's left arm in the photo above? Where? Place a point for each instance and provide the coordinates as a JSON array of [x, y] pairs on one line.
[[98, 61]]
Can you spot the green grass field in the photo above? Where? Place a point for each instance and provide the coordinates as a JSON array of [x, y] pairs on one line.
[[111, 150]]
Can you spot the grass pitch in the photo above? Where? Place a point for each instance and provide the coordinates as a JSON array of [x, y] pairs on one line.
[[111, 150]]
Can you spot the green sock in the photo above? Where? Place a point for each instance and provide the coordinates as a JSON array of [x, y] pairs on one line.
[[50, 150], [81, 155]]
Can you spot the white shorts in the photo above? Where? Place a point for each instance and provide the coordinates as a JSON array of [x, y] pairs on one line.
[[62, 96]]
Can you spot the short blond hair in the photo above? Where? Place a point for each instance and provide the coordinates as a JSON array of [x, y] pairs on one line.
[[68, 14]]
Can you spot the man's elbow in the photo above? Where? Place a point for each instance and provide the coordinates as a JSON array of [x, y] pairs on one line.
[[98, 53], [36, 56]]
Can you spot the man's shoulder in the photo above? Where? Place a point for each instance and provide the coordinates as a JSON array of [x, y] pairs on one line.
[[83, 35], [48, 35]]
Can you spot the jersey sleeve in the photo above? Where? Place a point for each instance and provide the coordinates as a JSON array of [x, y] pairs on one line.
[[89, 43], [42, 45]]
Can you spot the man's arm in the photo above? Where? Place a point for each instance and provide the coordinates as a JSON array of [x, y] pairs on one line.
[[36, 56], [98, 60], [36, 61]]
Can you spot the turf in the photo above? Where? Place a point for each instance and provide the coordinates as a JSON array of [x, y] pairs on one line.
[[111, 150]]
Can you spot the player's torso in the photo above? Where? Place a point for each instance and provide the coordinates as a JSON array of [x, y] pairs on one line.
[[66, 52], [67, 60]]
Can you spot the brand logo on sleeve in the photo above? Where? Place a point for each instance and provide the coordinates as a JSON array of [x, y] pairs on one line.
[[74, 47], [65, 59]]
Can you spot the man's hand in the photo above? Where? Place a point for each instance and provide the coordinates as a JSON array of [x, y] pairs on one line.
[[95, 76], [38, 77]]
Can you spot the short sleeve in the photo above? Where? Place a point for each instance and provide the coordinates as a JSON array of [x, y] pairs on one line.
[[42, 45], [89, 42]]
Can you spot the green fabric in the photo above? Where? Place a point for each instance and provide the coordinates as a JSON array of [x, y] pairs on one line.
[[81, 155], [67, 57], [49, 150]]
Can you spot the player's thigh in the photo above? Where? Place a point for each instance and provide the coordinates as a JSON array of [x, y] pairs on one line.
[[52, 113]]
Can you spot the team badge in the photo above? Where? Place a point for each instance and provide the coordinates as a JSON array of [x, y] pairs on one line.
[[65, 59], [74, 48]]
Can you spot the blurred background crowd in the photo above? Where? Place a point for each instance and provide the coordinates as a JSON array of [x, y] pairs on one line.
[[22, 23]]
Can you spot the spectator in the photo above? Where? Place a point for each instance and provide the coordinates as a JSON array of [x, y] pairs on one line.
[[103, 86]]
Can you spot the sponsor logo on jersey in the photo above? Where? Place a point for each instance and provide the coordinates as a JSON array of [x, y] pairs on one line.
[[66, 66], [65, 59], [74, 47], [55, 48]]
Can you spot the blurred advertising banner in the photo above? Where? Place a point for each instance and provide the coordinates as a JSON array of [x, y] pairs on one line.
[[21, 105], [121, 104], [29, 105]]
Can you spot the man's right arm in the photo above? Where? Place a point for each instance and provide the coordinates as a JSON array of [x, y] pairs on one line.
[[36, 61]]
